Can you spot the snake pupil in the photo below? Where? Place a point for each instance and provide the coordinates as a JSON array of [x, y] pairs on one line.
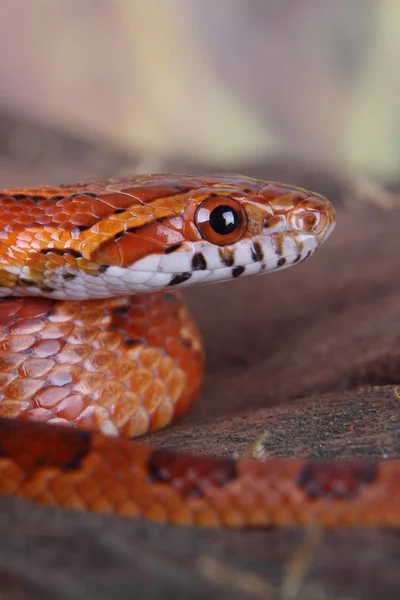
[[224, 220]]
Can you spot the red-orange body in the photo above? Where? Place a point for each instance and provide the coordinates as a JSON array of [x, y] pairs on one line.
[[94, 334]]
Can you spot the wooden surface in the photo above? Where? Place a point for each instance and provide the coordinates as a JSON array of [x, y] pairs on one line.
[[306, 363]]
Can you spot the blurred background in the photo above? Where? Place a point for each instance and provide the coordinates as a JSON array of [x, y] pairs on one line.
[[301, 90]]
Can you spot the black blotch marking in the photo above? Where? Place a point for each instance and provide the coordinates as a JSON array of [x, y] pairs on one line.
[[307, 255], [91, 194], [61, 252], [80, 228], [27, 281], [83, 441], [60, 447], [199, 262], [185, 343], [180, 278], [227, 258], [25, 197], [119, 211], [172, 248], [120, 235], [131, 342], [237, 271], [103, 268], [121, 310], [327, 480], [190, 476], [281, 262], [68, 276], [257, 253], [298, 257]]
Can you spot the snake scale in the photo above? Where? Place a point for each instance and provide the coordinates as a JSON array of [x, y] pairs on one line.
[[97, 346]]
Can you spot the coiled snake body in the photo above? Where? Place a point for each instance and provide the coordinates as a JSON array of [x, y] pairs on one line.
[[94, 334]]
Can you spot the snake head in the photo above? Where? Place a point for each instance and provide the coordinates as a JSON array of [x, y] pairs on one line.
[[219, 228], [150, 232]]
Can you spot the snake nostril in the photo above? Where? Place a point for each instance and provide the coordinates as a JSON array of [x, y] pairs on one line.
[[310, 220]]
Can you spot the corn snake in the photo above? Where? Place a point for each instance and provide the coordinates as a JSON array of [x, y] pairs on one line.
[[77, 349]]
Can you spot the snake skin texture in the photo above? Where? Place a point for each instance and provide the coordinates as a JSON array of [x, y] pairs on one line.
[[96, 342]]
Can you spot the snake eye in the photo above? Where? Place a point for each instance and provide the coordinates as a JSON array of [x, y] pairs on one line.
[[221, 220]]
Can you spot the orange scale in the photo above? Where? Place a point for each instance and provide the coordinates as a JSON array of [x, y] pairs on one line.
[[72, 406], [11, 409], [27, 326], [11, 307], [100, 209], [25, 219], [83, 335], [6, 321], [176, 384], [73, 354], [110, 339], [112, 391], [141, 380], [56, 421], [173, 347], [88, 383], [35, 367], [44, 219], [100, 360], [34, 308], [51, 208], [61, 217], [35, 211], [149, 358], [109, 228], [10, 361], [50, 396], [95, 417], [166, 368], [124, 408], [122, 370], [69, 260], [17, 343], [15, 209], [156, 319], [37, 414], [22, 389], [155, 337], [55, 330], [65, 311], [154, 395], [163, 415], [84, 220], [137, 425], [136, 330], [45, 348], [53, 259], [90, 316], [81, 204], [5, 379], [64, 374]]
